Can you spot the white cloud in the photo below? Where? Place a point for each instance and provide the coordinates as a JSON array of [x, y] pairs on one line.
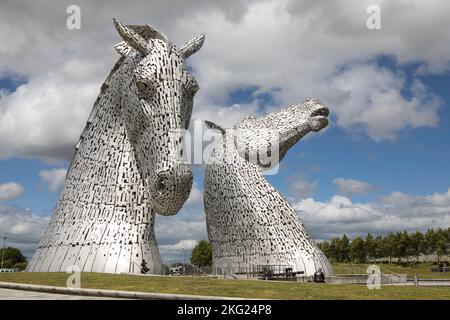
[[181, 231], [177, 252], [353, 187], [304, 63], [409, 206], [369, 99], [324, 220], [54, 178], [302, 188], [185, 225], [10, 190], [291, 49], [195, 197], [395, 212], [181, 245], [22, 228], [44, 116]]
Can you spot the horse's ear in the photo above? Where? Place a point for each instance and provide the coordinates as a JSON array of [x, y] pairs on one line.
[[192, 46], [132, 38], [215, 127]]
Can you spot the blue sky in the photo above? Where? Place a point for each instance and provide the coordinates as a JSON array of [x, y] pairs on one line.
[[36, 195], [383, 164]]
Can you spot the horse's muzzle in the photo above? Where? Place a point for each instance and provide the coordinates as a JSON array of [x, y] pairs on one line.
[[171, 189]]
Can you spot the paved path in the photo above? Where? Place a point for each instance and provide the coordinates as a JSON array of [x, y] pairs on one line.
[[10, 294], [52, 292]]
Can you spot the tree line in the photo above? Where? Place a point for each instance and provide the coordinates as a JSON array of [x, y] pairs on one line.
[[395, 247], [13, 258]]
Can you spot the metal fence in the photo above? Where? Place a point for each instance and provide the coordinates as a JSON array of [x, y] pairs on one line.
[[253, 271]]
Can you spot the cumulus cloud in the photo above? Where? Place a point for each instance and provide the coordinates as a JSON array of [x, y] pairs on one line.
[[43, 117], [195, 197], [170, 230], [181, 245], [288, 50], [10, 190], [177, 252], [302, 188], [398, 211], [369, 99], [249, 45], [64, 68], [22, 228], [352, 187], [181, 231], [54, 178], [322, 219]]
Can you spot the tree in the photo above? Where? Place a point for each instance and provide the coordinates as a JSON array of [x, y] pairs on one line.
[[370, 246], [418, 245], [441, 243], [20, 266], [13, 258], [357, 251], [402, 245], [379, 250], [389, 246], [431, 242], [202, 254], [325, 248], [333, 249], [343, 249], [394, 245]]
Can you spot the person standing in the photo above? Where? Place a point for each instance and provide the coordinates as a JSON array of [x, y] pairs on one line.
[[319, 276]]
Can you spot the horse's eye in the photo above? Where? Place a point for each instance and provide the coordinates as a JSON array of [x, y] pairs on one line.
[[145, 88]]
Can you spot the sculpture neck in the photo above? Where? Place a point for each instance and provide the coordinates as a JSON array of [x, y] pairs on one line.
[[104, 155]]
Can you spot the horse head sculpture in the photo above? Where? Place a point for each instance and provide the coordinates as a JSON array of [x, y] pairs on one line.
[[128, 163], [157, 107], [270, 136], [251, 226]]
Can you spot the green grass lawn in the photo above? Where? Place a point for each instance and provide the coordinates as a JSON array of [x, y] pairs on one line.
[[423, 270], [230, 288]]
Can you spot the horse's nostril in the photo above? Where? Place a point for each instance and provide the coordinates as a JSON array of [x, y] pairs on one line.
[[161, 184]]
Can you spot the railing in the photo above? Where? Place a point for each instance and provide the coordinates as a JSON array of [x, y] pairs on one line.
[[387, 276], [387, 271], [257, 271], [198, 269]]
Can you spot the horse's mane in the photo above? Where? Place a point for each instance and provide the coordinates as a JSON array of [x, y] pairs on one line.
[[145, 31], [95, 108]]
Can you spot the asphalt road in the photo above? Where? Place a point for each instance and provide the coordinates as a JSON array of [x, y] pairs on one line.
[[9, 294]]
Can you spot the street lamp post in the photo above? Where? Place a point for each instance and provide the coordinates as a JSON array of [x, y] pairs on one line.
[[184, 261], [3, 252]]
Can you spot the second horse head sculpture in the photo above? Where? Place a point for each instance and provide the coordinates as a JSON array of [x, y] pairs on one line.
[[251, 226]]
